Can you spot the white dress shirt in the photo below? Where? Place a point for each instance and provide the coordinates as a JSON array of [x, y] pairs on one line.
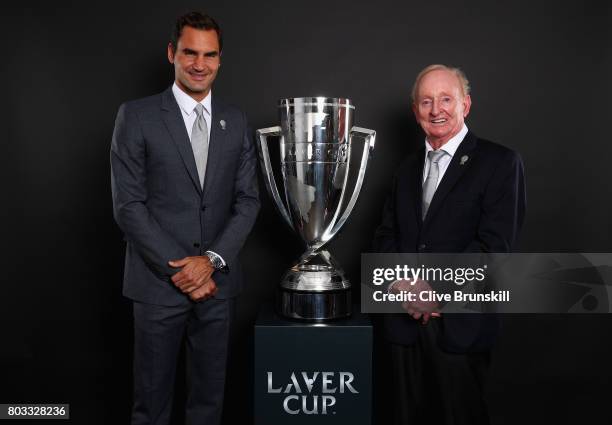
[[187, 106], [450, 148]]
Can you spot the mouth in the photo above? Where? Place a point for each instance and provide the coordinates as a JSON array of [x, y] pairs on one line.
[[197, 77], [438, 121]]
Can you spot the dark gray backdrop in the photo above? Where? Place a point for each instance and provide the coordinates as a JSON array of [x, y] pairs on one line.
[[540, 73]]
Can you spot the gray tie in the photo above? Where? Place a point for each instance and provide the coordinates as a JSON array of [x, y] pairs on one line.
[[199, 142], [429, 187]]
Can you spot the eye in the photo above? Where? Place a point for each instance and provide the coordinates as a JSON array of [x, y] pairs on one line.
[[426, 102]]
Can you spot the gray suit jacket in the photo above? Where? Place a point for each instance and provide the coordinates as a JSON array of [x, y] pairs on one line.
[[158, 202]]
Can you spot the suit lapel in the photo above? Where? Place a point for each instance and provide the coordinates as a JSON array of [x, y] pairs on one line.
[[215, 144], [173, 119], [417, 178], [453, 173]]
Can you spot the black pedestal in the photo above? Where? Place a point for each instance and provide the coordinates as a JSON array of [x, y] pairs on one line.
[[313, 373]]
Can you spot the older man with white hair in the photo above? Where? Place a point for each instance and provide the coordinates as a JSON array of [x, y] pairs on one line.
[[457, 193]]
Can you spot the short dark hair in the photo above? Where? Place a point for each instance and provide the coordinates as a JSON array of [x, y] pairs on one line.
[[196, 20]]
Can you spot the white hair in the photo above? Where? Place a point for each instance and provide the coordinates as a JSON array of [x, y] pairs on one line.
[[465, 84]]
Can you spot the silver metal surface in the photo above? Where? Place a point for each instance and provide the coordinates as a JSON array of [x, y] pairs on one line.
[[314, 306], [316, 271], [315, 145]]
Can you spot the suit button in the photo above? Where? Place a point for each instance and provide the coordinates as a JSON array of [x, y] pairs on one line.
[[196, 245], [422, 247], [203, 208]]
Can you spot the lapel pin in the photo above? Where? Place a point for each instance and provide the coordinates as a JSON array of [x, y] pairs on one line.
[[222, 123], [464, 159]]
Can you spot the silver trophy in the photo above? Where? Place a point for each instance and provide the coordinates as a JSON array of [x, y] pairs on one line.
[[315, 135]]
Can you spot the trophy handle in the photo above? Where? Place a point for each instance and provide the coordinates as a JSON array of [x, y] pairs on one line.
[[266, 166], [368, 147]]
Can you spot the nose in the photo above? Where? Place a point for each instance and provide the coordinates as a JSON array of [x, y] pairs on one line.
[[435, 107], [200, 63]]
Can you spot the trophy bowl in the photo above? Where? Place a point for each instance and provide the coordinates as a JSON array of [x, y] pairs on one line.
[[315, 146]]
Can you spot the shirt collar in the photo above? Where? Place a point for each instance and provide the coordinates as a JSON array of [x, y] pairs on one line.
[[452, 145], [188, 103]]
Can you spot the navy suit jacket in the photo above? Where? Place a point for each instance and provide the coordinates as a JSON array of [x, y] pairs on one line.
[[478, 206], [158, 202]]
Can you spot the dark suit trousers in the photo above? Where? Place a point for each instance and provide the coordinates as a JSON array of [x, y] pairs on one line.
[[159, 332], [432, 386]]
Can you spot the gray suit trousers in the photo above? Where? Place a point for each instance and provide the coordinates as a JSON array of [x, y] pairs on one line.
[[159, 332]]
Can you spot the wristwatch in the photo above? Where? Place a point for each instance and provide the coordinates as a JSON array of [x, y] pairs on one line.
[[216, 261]]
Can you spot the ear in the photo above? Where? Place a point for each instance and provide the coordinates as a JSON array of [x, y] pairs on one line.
[[414, 108], [170, 53], [467, 104]]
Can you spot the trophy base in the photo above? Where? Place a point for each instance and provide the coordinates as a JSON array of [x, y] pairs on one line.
[[314, 306], [315, 289]]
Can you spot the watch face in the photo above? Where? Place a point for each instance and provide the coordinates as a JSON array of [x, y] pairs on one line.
[[216, 262]]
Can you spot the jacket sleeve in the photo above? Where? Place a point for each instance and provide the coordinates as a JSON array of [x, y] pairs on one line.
[[385, 237], [129, 191], [230, 240], [503, 208]]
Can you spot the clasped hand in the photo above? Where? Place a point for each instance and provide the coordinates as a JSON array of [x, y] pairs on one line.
[[418, 308], [195, 277]]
